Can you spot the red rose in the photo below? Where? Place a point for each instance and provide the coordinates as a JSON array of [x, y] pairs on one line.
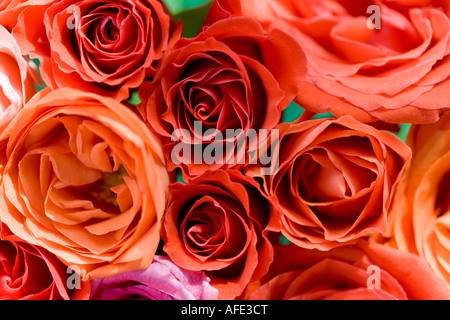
[[220, 223], [102, 47], [29, 272], [335, 180], [232, 76], [364, 271], [375, 60]]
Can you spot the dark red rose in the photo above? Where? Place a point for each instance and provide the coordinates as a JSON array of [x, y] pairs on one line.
[[220, 223]]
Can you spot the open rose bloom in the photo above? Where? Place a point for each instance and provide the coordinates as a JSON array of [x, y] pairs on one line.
[[85, 180], [393, 66], [224, 150]]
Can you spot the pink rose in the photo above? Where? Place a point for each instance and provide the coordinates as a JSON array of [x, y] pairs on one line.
[[16, 86], [162, 280]]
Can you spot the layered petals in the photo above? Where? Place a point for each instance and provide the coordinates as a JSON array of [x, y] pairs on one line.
[[363, 271], [211, 90], [162, 280], [375, 60], [335, 180], [85, 179], [420, 212], [221, 223], [16, 83], [30, 272], [105, 48]]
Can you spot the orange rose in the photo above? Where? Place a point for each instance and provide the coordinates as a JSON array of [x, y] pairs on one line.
[[396, 71], [103, 47], [85, 179], [421, 208], [363, 271], [335, 180]]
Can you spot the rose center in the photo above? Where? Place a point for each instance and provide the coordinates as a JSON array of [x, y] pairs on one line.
[[101, 191]]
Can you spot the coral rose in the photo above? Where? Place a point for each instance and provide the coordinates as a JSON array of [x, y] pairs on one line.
[[102, 47], [363, 271], [233, 77], [85, 179], [392, 67], [16, 83], [163, 280], [421, 208], [221, 223], [335, 180]]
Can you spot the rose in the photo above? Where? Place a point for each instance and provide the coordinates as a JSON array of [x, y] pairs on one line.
[[232, 76], [105, 48], [9, 11], [335, 180], [363, 271], [221, 223], [402, 5], [30, 272], [16, 85], [398, 73], [162, 280], [85, 179], [421, 208]]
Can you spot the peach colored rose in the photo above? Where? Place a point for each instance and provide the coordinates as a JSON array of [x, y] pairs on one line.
[[232, 77], [221, 223], [363, 271], [335, 180], [405, 5], [420, 211], [16, 84], [103, 47], [395, 72], [85, 179]]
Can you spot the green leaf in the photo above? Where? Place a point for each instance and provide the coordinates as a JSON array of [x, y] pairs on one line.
[[404, 129], [177, 6], [192, 13], [292, 112], [283, 240], [134, 99], [180, 176]]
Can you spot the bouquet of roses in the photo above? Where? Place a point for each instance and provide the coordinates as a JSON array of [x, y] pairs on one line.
[[227, 149]]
